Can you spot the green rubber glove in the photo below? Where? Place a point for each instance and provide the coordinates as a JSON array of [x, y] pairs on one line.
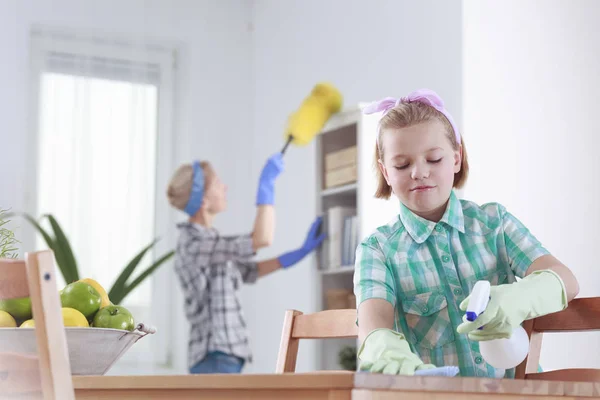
[[385, 351], [540, 293]]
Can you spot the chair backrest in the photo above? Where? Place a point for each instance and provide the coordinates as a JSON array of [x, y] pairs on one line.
[[319, 325], [582, 314], [48, 371]]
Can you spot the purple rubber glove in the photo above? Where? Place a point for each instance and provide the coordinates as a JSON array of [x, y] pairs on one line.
[[310, 243], [266, 183]]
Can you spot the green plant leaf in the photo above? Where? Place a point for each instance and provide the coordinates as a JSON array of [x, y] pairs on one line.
[[119, 284], [49, 240], [62, 267], [121, 294], [66, 253], [7, 238]]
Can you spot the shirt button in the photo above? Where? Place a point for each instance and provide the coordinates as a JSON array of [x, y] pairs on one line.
[[425, 309], [458, 291], [438, 228], [445, 258], [478, 360]]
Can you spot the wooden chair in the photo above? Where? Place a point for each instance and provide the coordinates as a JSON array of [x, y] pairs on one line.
[[582, 315], [320, 325], [47, 374]]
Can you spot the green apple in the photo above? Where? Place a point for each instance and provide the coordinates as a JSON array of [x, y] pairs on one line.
[[19, 308], [82, 297], [114, 317]]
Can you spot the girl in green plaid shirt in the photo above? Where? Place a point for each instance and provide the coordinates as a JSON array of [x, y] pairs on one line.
[[413, 275]]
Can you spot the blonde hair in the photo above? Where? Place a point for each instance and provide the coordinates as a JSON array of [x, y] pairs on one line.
[[409, 114], [180, 185]]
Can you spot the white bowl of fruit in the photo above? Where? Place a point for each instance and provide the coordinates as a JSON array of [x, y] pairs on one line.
[[98, 332]]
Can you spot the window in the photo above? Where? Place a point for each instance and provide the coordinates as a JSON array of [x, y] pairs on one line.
[[103, 157], [96, 169]]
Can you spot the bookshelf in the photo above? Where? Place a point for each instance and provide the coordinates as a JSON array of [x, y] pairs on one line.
[[345, 187]]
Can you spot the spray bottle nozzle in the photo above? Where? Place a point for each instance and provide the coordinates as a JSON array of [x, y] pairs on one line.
[[471, 316], [478, 301]]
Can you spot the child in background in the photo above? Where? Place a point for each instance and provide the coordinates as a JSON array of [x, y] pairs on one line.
[[413, 275], [212, 268]]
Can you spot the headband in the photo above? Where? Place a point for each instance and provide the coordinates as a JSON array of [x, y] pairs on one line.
[[197, 192], [425, 96]]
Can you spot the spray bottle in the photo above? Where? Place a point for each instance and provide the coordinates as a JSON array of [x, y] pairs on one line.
[[499, 353]]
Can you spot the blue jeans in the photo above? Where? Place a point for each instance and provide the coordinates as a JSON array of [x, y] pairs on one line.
[[217, 362]]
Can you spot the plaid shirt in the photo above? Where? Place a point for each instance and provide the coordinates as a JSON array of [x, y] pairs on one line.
[[425, 269], [211, 269]]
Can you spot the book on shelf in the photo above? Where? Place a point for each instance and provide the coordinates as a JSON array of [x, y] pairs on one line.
[[341, 227], [350, 240]]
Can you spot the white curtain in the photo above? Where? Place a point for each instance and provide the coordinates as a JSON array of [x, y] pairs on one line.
[[96, 171]]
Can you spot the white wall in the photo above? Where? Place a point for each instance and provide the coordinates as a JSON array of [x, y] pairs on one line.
[[529, 80], [235, 88], [213, 98], [368, 50], [531, 126]]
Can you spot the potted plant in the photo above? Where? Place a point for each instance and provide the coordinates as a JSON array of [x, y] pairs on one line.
[[67, 263], [7, 238], [347, 358]]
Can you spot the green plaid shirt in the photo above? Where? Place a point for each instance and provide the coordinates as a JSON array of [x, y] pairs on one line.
[[425, 269]]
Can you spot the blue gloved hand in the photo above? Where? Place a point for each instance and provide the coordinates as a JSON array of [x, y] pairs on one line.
[[310, 243], [266, 183]]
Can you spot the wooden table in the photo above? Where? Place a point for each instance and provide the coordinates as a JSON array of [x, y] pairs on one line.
[[318, 386], [388, 387], [325, 386]]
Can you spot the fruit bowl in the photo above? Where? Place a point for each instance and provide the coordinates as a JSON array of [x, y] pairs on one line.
[[92, 351]]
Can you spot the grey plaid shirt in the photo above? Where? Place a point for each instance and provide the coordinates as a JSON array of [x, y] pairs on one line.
[[211, 269]]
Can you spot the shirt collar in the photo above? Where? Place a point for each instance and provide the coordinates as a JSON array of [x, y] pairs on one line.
[[420, 228], [198, 229]]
